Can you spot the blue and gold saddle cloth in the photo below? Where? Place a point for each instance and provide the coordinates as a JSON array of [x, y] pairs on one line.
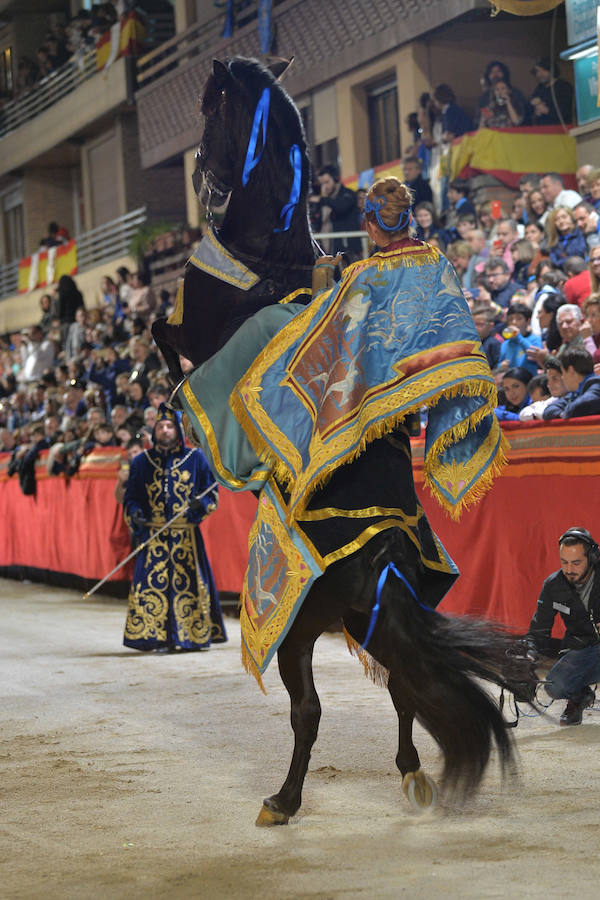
[[330, 381]]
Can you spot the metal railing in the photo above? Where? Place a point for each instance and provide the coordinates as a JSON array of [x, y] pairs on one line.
[[45, 93], [109, 240], [94, 247], [198, 39], [79, 68]]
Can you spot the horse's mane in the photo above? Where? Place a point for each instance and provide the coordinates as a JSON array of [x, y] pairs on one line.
[[269, 185]]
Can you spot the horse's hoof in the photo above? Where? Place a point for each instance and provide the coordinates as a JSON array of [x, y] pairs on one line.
[[269, 816], [421, 790]]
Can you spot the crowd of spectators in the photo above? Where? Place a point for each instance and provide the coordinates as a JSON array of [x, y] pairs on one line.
[[65, 41], [82, 378]]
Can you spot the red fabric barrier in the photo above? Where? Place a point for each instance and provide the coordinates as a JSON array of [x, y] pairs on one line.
[[504, 546]]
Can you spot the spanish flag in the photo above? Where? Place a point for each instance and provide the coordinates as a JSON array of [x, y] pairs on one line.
[[47, 266], [509, 153], [125, 38]]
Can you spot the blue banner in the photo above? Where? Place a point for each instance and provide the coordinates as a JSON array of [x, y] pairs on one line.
[[265, 29]]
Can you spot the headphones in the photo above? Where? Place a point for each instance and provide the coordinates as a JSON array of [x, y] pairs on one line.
[[582, 535]]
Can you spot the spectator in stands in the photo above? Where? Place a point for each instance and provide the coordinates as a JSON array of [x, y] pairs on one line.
[[515, 383], [123, 284], [536, 207], [590, 329], [577, 287], [594, 267], [69, 300], [27, 75], [499, 281], [455, 121], [555, 194], [518, 211], [136, 393], [144, 359], [76, 334], [518, 339], [485, 323], [48, 313], [458, 194], [484, 217], [563, 236], [480, 255], [523, 255], [501, 105], [506, 234], [157, 394], [568, 320], [57, 235], [552, 101], [414, 180], [37, 355], [142, 299], [459, 253], [73, 402], [535, 233], [588, 222], [593, 188], [105, 366], [528, 183], [583, 387], [427, 223], [339, 210], [556, 389], [547, 303], [581, 176], [134, 446]]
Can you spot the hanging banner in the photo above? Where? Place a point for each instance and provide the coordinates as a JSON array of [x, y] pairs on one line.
[[125, 38], [265, 30], [40, 271], [509, 153]]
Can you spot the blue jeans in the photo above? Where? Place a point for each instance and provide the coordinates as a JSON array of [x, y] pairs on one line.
[[574, 671]]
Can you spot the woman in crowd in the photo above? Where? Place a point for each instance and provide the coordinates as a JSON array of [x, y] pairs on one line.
[[590, 330], [546, 315], [594, 264], [523, 254], [564, 237], [427, 223], [515, 383], [537, 208]]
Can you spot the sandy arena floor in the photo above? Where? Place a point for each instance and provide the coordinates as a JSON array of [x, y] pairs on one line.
[[127, 775]]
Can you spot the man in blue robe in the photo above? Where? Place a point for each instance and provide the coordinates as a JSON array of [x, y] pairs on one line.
[[173, 602]]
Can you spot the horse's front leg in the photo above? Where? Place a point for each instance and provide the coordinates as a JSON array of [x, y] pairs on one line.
[[295, 666]]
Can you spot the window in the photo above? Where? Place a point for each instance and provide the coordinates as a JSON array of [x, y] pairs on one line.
[[6, 76], [13, 224], [384, 125]]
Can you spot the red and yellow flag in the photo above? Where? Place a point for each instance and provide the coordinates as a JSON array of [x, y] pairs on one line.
[[46, 267]]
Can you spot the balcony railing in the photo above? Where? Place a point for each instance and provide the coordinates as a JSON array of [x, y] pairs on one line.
[[49, 90], [45, 93], [99, 245]]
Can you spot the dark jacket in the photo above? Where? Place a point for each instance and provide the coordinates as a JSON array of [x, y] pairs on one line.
[[421, 189], [502, 297], [572, 244], [491, 347], [559, 596], [455, 120], [585, 401]]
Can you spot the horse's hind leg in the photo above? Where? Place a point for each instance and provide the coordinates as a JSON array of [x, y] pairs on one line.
[[418, 787], [295, 667]]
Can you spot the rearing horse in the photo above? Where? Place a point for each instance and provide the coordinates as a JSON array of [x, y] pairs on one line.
[[257, 177]]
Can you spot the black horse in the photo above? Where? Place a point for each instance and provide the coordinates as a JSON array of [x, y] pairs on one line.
[[430, 662], [257, 192]]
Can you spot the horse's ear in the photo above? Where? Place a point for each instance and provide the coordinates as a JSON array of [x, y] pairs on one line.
[[278, 66], [219, 71]]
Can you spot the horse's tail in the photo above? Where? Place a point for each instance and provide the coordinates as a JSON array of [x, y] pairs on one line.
[[435, 662]]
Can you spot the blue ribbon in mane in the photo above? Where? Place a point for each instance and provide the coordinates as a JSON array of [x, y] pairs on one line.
[[288, 210], [261, 116], [380, 583]]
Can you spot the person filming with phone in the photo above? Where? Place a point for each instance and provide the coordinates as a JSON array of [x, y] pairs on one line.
[[574, 592], [501, 105]]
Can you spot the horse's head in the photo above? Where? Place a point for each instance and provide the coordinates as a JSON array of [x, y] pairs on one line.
[[252, 134]]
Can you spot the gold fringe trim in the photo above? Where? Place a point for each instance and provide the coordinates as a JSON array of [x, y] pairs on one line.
[[251, 667], [473, 387], [405, 256], [378, 674]]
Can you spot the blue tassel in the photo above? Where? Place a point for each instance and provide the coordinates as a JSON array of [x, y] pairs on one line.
[[288, 210], [261, 116]]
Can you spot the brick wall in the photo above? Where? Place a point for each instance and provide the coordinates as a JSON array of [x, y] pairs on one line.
[[161, 190], [48, 197]]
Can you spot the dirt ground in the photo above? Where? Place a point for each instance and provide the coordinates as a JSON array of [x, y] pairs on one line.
[[127, 775]]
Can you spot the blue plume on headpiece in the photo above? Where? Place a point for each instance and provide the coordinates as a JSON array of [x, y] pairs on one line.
[[377, 204]]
